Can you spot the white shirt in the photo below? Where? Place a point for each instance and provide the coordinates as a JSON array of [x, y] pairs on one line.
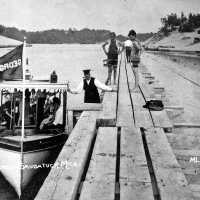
[[136, 49], [128, 43], [59, 116], [97, 83]]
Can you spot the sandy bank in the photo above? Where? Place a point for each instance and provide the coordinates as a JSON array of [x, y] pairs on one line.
[[175, 41]]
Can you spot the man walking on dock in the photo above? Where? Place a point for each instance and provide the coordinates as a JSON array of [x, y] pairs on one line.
[[90, 85]]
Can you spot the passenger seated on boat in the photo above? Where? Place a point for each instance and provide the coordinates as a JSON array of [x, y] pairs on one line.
[[6, 111], [33, 103], [55, 120], [40, 106], [48, 106]]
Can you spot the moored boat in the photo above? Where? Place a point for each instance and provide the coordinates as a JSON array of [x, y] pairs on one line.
[[24, 149], [27, 141]]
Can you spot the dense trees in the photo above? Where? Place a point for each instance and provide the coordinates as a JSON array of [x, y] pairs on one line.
[[183, 23], [56, 36]]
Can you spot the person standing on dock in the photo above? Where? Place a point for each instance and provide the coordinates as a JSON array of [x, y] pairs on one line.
[[112, 57], [128, 47], [136, 49], [90, 85]]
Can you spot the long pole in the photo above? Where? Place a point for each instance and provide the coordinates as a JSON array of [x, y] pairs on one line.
[[23, 89], [23, 112]]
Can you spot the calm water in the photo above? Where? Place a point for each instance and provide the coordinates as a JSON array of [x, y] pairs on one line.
[[68, 60]]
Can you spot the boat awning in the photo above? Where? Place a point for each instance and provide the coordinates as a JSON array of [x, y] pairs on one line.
[[32, 85]]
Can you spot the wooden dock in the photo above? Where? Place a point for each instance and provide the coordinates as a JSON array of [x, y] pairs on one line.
[[119, 150]]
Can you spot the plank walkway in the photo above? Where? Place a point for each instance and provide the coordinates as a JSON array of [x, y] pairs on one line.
[[135, 181], [63, 182], [119, 151], [99, 183], [142, 115], [171, 181]]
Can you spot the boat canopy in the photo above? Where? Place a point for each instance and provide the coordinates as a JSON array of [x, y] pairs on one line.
[[11, 85], [26, 104]]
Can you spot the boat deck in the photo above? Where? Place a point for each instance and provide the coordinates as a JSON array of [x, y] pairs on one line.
[[28, 138], [121, 152]]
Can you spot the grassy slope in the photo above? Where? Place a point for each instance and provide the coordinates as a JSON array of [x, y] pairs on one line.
[[180, 41]]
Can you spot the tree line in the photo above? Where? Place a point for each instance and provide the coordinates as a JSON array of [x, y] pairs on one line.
[[61, 36], [183, 23]]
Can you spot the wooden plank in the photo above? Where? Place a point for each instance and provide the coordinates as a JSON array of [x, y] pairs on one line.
[[141, 115], [149, 77], [189, 164], [196, 190], [69, 124], [62, 182], [135, 182], [143, 119], [132, 158], [190, 153], [172, 107], [124, 110], [148, 95], [171, 181], [189, 161], [85, 107], [159, 90], [161, 120], [186, 125], [136, 190], [100, 179], [146, 73], [107, 116], [131, 77], [150, 88]]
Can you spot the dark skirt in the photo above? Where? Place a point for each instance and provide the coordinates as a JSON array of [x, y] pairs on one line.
[[128, 51]]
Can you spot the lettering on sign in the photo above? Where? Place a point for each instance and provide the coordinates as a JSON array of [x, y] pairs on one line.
[[9, 65]]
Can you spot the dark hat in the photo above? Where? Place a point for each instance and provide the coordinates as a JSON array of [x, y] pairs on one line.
[[86, 71], [132, 32], [112, 34]]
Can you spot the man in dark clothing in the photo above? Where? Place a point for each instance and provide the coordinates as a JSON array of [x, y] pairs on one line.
[[90, 85], [112, 52]]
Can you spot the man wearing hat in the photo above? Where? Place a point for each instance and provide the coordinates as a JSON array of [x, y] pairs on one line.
[[90, 85]]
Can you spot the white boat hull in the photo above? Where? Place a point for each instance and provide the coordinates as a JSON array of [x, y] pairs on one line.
[[19, 175], [19, 169], [10, 167]]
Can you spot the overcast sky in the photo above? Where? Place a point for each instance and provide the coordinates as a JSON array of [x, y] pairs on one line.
[[114, 15]]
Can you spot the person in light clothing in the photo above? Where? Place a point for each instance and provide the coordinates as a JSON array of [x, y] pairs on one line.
[[90, 85], [55, 119], [128, 47], [136, 50]]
